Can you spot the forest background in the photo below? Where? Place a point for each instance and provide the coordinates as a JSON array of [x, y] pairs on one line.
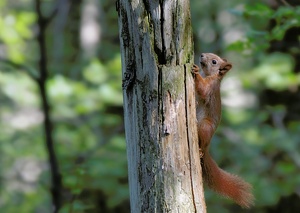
[[259, 136]]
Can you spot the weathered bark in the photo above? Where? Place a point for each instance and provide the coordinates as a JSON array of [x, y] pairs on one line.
[[159, 106]]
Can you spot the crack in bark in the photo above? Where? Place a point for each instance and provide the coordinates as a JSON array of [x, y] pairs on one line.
[[162, 21], [175, 25], [188, 138], [160, 109], [129, 75]]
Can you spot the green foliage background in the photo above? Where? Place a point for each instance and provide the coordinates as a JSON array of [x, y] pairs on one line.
[[258, 137]]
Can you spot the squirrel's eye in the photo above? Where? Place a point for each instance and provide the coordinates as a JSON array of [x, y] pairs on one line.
[[214, 61]]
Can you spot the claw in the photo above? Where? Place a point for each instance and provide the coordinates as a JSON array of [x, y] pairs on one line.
[[195, 69]]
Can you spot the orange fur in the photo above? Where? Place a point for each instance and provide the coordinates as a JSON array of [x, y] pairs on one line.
[[209, 116]]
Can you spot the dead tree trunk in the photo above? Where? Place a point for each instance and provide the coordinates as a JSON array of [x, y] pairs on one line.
[[159, 106]]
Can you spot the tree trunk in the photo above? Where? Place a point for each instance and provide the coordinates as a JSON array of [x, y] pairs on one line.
[[159, 106]]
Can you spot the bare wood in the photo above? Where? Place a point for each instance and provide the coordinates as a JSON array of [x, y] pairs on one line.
[[159, 106]]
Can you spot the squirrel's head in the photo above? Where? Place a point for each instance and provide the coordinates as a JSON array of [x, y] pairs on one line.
[[212, 64]]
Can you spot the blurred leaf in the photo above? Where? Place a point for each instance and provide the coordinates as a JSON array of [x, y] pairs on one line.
[[279, 31], [24, 23], [276, 72], [95, 72]]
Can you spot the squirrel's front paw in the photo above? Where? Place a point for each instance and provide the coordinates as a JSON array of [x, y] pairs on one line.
[[195, 69]]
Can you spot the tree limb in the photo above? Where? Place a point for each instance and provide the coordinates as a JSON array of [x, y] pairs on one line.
[[56, 188], [29, 70]]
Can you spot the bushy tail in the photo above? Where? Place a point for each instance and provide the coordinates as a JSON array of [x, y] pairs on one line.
[[225, 183]]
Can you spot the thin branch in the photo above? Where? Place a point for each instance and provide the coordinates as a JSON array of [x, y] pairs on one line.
[[56, 188], [29, 70], [286, 3], [52, 15]]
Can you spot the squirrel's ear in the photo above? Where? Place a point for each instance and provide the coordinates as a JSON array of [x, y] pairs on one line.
[[225, 67]]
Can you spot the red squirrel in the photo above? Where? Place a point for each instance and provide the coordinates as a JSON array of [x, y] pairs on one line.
[[208, 117]]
